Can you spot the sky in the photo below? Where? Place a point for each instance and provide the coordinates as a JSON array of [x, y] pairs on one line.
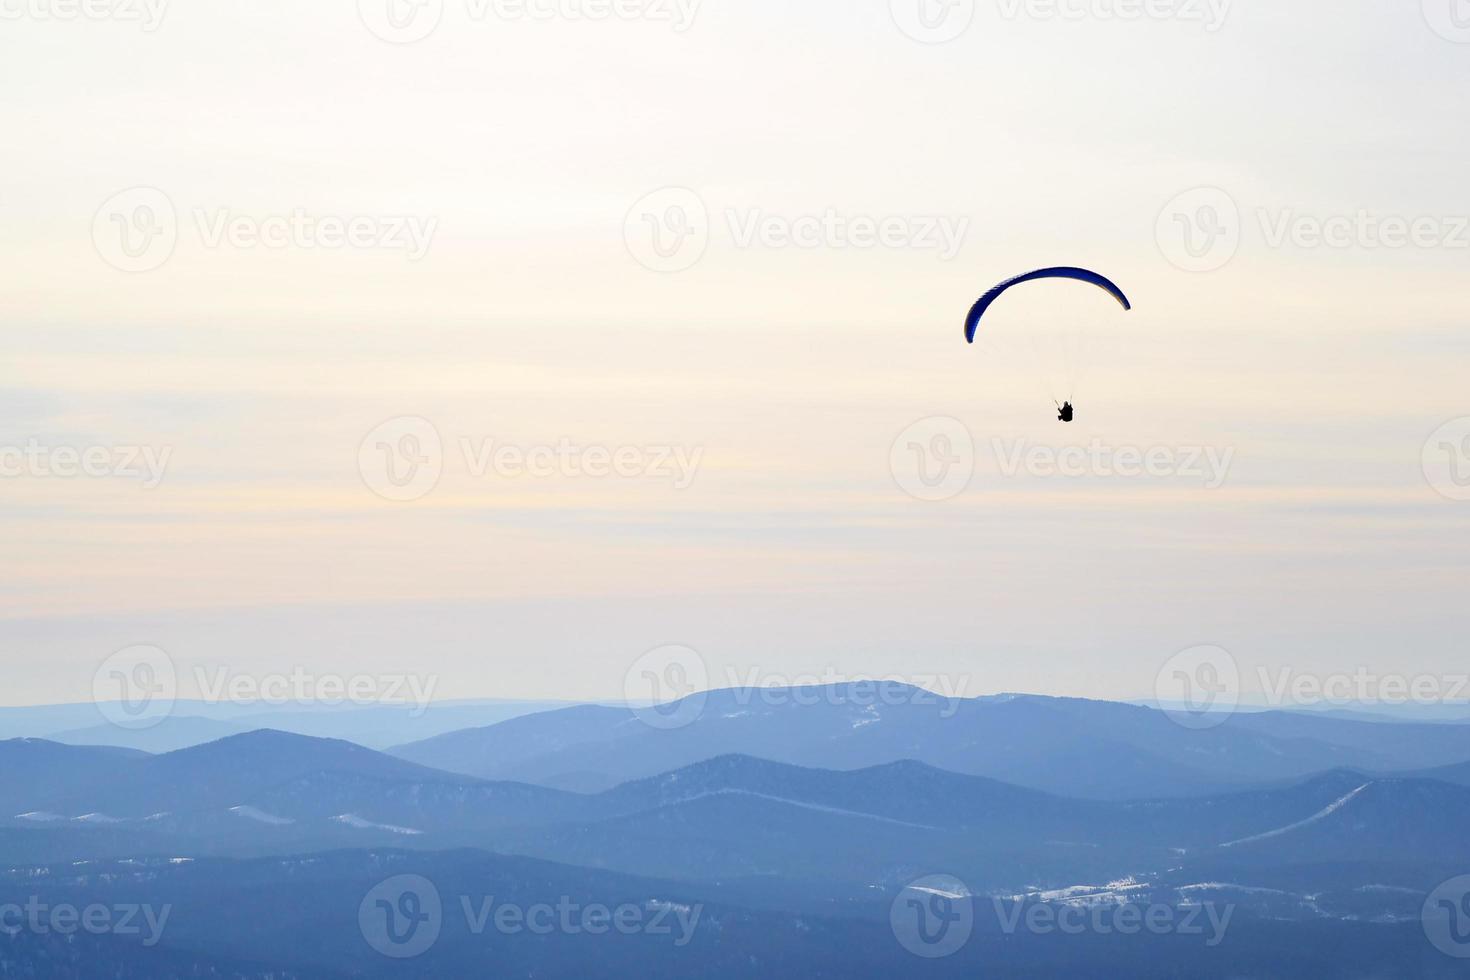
[[505, 342]]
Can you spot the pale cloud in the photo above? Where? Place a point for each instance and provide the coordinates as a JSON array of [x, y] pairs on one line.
[[788, 372]]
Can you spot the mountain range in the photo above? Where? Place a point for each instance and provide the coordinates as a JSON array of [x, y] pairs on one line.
[[793, 818], [1089, 749]]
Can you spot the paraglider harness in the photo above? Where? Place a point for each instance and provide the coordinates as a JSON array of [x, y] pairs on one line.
[[1064, 412]]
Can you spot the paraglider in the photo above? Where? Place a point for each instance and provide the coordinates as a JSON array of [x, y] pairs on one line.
[[977, 312]]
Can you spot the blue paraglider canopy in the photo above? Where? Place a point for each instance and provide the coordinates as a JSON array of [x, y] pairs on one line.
[[972, 322]]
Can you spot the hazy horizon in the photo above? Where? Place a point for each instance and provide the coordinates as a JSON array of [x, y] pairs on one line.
[[767, 394]]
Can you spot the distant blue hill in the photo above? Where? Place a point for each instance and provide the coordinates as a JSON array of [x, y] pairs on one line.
[[1073, 747], [728, 818], [196, 722]]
